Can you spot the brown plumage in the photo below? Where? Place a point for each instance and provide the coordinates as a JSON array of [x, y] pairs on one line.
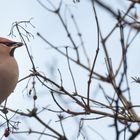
[[8, 67]]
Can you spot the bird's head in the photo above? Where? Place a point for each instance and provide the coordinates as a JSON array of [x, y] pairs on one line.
[[7, 46]]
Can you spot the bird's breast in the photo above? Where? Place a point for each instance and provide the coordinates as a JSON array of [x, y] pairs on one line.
[[8, 76]]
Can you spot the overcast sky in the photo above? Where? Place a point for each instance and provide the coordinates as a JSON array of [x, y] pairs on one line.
[[48, 25]]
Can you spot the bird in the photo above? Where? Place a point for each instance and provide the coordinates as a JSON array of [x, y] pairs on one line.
[[9, 71]]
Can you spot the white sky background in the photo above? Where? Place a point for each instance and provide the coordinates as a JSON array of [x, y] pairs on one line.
[[48, 25]]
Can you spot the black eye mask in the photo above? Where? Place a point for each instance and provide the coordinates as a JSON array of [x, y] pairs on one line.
[[10, 44]]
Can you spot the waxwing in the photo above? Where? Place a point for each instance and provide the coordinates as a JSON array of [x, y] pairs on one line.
[[8, 67]]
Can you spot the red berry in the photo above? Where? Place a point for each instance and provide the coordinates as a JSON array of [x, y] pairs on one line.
[[7, 132]]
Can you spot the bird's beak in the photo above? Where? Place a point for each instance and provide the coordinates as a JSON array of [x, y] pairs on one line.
[[14, 44], [18, 44]]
